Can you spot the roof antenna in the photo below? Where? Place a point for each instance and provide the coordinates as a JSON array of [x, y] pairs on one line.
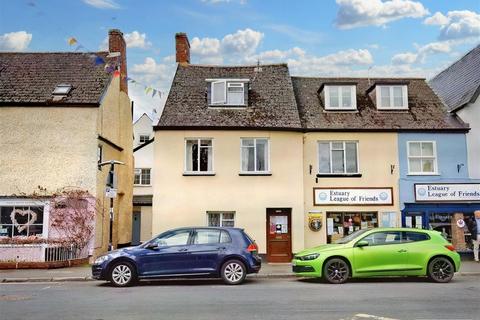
[[258, 68]]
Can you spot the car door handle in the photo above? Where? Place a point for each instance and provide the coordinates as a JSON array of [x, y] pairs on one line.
[[221, 248], [402, 250], [183, 249]]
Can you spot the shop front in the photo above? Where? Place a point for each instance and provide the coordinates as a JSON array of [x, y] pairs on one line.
[[444, 207], [351, 209]]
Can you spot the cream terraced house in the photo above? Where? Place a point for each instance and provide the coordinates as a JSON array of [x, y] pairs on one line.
[[142, 182], [60, 116], [295, 161]]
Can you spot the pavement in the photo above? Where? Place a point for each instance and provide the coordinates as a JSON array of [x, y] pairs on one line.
[[83, 273], [266, 299]]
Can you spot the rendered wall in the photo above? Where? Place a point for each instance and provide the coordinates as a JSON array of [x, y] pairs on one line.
[[184, 200], [115, 124], [377, 151], [50, 147], [471, 115]]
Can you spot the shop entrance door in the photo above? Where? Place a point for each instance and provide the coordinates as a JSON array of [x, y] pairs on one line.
[[279, 235], [414, 220]]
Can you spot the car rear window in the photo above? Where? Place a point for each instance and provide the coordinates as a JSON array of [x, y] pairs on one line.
[[411, 236], [248, 237], [225, 237]]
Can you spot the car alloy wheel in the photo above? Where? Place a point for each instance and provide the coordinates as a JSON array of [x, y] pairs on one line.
[[440, 269], [122, 274], [233, 272], [336, 271]]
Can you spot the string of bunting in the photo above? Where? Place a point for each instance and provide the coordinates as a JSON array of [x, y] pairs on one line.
[[112, 68]]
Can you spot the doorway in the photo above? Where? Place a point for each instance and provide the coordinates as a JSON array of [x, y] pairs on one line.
[[136, 227], [279, 234]]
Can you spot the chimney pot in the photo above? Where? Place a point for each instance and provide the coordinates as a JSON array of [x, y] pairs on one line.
[[116, 43], [182, 48]]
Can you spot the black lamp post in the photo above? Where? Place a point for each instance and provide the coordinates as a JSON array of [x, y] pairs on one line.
[[111, 192]]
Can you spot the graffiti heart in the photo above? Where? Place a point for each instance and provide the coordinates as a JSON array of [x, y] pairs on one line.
[[28, 213]]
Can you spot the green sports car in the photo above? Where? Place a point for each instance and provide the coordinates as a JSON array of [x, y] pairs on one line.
[[381, 252]]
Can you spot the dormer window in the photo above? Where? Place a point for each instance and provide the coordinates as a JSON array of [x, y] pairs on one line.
[[392, 97], [228, 92], [62, 89], [340, 97]]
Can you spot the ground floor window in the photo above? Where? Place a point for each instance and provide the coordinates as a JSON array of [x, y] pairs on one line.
[[341, 224], [21, 221], [447, 219], [221, 219]]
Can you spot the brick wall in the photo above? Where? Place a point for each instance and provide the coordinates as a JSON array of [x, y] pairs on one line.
[[116, 43]]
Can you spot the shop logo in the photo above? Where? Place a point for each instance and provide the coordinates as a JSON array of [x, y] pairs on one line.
[[322, 196], [383, 196], [422, 191]]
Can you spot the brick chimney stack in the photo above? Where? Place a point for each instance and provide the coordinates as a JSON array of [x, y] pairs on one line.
[[116, 43], [182, 47]]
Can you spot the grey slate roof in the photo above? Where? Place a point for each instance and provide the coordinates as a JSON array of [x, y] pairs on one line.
[[459, 84], [271, 103], [30, 78], [426, 111]]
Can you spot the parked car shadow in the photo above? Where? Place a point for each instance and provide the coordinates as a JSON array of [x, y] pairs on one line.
[[184, 282], [373, 280]]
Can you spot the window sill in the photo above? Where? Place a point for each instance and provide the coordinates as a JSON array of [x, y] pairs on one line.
[[227, 106], [255, 174], [424, 174], [394, 109], [142, 185], [340, 110], [341, 175], [191, 174]]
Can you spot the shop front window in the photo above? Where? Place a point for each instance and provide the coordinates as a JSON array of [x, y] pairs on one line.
[[442, 222], [341, 224], [21, 221]]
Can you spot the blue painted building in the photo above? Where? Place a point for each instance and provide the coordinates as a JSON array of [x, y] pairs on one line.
[[435, 189]]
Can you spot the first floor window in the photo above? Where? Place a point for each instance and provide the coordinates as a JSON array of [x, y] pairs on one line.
[[144, 138], [255, 157], [221, 219], [142, 176], [337, 157], [21, 221], [198, 155], [422, 157]]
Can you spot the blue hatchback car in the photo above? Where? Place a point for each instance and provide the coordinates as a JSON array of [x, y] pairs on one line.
[[227, 253]]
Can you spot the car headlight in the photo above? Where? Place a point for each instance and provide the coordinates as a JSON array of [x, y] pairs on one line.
[[101, 259], [309, 257]]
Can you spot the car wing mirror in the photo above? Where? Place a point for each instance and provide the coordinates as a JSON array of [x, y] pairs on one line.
[[361, 244], [152, 246]]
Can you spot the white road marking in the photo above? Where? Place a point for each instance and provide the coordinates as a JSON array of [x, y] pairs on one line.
[[359, 316]]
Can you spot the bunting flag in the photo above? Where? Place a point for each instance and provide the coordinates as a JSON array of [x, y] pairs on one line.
[[99, 60], [71, 41], [112, 67]]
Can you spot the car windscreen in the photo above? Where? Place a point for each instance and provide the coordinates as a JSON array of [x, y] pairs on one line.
[[351, 236]]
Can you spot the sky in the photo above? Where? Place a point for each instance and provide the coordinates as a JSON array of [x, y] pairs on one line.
[[387, 38]]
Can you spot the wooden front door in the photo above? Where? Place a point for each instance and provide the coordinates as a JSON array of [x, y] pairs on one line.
[[279, 235]]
